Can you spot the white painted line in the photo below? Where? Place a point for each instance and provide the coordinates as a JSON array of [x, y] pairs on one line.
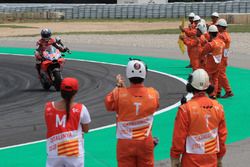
[[188, 96]]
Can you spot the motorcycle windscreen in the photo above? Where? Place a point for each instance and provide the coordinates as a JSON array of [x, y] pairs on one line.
[[51, 53]]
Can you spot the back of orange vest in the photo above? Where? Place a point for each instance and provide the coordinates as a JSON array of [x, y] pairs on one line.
[[135, 113], [204, 118], [135, 107]]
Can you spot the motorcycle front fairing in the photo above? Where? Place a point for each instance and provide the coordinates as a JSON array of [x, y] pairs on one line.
[[53, 57]]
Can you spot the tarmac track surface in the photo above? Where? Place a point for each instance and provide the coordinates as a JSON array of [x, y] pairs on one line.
[[22, 98]]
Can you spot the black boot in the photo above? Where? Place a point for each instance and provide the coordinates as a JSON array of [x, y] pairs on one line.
[[156, 141], [218, 95], [189, 66], [38, 68], [228, 94]]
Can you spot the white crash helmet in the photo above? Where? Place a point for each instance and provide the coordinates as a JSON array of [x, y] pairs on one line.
[[215, 14], [199, 79], [191, 14], [136, 68], [212, 28], [202, 27], [222, 22], [196, 18]]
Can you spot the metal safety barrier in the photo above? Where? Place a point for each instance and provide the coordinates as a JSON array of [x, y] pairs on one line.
[[99, 11]]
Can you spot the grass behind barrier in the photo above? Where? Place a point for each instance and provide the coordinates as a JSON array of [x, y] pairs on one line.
[[239, 28], [15, 26], [146, 20], [231, 28], [145, 32]]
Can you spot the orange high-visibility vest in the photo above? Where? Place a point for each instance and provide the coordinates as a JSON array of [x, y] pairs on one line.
[[200, 132], [135, 113], [214, 58], [227, 40], [203, 128]]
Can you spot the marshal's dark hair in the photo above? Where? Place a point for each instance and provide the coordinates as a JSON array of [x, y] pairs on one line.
[[136, 80], [191, 89], [67, 96], [213, 34]]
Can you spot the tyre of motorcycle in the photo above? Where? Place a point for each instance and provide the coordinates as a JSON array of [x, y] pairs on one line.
[[45, 82], [57, 79]]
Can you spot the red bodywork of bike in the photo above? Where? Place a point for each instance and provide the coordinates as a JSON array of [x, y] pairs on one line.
[[52, 55], [45, 64]]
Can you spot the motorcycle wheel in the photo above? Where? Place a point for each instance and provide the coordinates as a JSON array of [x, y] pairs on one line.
[[57, 80], [44, 81]]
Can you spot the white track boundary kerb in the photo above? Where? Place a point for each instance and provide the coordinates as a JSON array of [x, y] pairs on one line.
[[188, 96]]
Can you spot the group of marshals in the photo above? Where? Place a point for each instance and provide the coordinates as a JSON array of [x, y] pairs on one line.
[[208, 48], [199, 131]]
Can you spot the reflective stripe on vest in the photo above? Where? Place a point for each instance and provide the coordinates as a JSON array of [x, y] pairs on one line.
[[203, 129], [135, 113], [64, 144], [206, 143], [137, 130]]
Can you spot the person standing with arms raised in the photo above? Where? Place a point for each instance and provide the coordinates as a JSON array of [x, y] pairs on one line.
[[66, 121], [134, 107]]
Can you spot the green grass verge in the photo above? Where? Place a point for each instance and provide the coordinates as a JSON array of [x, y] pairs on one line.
[[15, 26], [143, 20], [159, 31], [232, 28], [239, 28]]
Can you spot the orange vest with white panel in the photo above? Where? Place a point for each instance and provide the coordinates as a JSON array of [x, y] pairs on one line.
[[218, 47], [135, 113], [203, 128], [215, 56], [227, 40], [64, 138]]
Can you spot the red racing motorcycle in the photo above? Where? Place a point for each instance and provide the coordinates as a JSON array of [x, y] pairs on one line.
[[51, 68]]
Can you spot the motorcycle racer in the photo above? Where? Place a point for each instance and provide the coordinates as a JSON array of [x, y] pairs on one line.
[[44, 43]]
